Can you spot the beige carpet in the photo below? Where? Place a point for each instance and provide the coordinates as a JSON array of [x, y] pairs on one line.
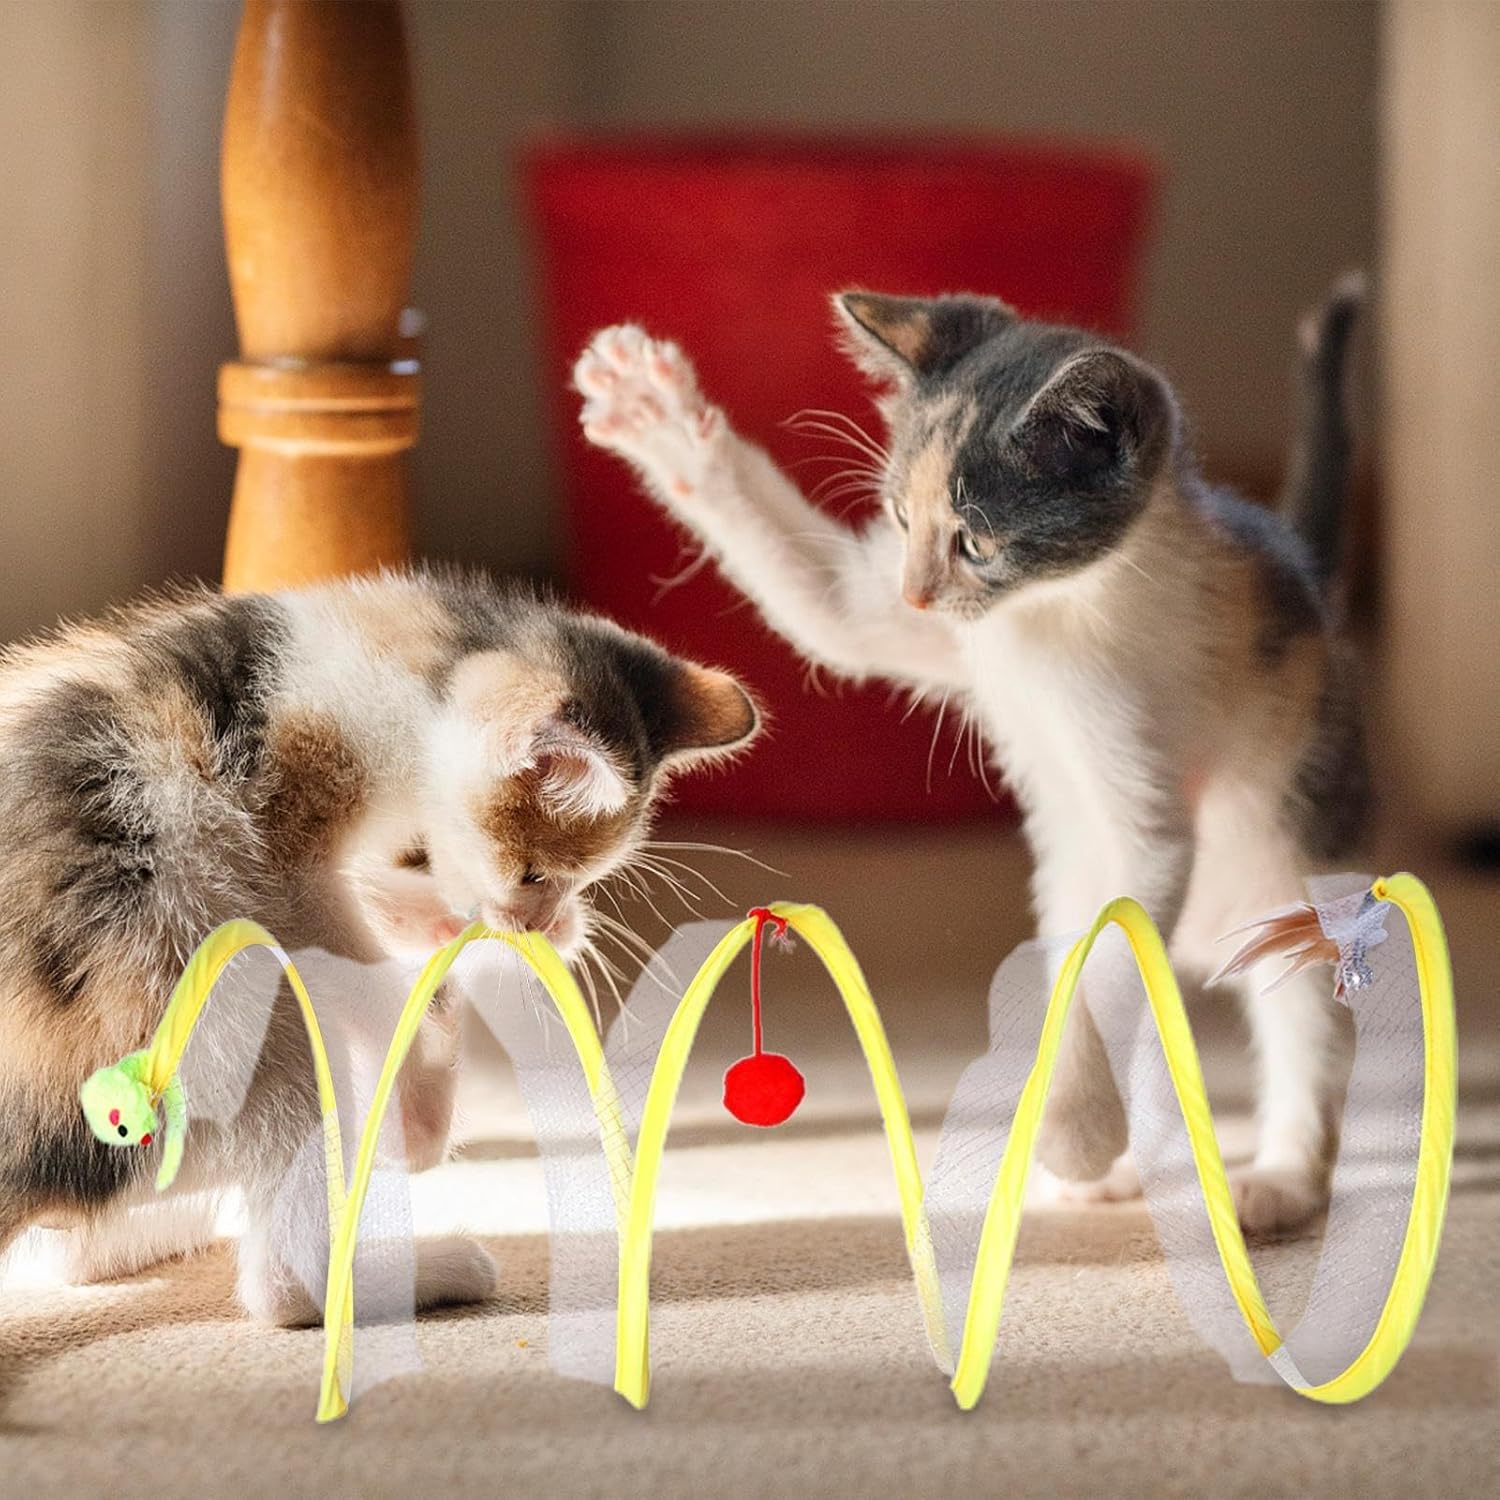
[[789, 1358]]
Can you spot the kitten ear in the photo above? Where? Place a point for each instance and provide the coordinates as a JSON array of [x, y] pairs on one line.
[[904, 338], [708, 712], [578, 776], [1100, 416]]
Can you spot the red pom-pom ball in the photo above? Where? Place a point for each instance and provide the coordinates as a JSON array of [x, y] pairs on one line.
[[763, 1090]]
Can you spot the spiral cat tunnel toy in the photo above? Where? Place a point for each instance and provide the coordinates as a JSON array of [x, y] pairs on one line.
[[601, 1111]]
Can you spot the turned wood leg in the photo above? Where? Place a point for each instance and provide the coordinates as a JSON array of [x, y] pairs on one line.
[[320, 183]]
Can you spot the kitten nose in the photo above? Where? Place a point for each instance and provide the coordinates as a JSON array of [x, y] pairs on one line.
[[917, 598]]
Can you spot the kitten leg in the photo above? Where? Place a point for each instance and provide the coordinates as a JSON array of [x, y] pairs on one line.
[[832, 593], [454, 1270], [1293, 1027], [1245, 870], [449, 1271], [120, 1240], [267, 1286], [16, 1213], [428, 1082], [1083, 1130], [1080, 868], [1121, 1184]]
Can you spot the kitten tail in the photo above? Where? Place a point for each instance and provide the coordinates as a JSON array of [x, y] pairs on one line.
[[1313, 500]]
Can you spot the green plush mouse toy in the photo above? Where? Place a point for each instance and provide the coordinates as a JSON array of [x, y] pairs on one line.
[[119, 1104]]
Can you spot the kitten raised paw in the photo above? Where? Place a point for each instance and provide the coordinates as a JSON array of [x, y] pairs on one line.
[[641, 400]]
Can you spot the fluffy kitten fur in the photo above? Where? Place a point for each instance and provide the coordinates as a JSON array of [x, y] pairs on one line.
[[358, 766], [1154, 662]]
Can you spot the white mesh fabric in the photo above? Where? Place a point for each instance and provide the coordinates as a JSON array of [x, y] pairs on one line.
[[357, 1006], [978, 1123], [222, 1052], [1116, 997], [1375, 1174], [584, 1200], [635, 1035], [299, 1221], [580, 1200], [1373, 1180]]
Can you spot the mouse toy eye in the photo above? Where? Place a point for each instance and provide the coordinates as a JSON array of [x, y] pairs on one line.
[[124, 1130]]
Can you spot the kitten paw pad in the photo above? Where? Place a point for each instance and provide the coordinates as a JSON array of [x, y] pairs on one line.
[[641, 400]]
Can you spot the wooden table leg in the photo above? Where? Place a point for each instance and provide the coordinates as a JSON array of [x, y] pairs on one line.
[[320, 186]]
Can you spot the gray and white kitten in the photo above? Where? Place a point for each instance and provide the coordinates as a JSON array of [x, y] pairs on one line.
[[357, 766], [1154, 662]]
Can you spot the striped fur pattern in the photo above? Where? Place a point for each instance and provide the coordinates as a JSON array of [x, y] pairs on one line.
[[361, 767], [1156, 666]]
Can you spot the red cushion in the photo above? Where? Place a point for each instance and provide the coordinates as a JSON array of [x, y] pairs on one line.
[[732, 246]]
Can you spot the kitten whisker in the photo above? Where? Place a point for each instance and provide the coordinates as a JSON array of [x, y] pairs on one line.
[[937, 729], [688, 898], [594, 959], [685, 896], [981, 758], [816, 423], [642, 891], [839, 419], [1124, 555], [702, 848], [812, 677], [958, 740], [916, 701], [838, 486], [608, 895], [685, 574], [860, 470], [690, 870], [625, 936], [586, 980]]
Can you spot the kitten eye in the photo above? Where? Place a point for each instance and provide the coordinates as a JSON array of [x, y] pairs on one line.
[[899, 511], [531, 877], [972, 548]]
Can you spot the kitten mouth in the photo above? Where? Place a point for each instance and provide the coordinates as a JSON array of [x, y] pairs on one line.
[[972, 609], [960, 609], [559, 929]]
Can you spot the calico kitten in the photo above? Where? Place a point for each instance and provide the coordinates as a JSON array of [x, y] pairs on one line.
[[358, 766], [1156, 664]]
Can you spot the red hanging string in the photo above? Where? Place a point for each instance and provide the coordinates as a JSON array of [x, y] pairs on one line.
[[762, 915], [764, 1088]]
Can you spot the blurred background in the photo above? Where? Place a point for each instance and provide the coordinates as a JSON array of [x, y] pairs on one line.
[[1287, 140]]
